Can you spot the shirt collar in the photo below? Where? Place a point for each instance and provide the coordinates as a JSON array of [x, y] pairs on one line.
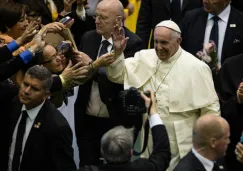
[[224, 15], [32, 113], [109, 40], [208, 164]]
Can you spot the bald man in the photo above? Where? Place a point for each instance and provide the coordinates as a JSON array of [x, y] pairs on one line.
[[97, 99], [210, 139]]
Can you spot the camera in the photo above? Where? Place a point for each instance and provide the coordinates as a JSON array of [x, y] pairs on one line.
[[132, 102]]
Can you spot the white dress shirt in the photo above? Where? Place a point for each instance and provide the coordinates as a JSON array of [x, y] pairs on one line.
[[32, 113], [95, 106], [208, 164], [222, 23]]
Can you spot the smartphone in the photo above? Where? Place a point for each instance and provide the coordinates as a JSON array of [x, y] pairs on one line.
[[66, 49], [63, 47], [65, 20]]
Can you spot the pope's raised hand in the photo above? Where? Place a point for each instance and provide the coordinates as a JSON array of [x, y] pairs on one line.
[[119, 40]]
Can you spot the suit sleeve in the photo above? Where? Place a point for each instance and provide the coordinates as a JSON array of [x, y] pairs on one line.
[[10, 67], [5, 54], [144, 22], [160, 158], [57, 84]]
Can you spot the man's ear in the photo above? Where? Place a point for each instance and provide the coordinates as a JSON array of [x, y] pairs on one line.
[[179, 40], [119, 21], [212, 142], [47, 95]]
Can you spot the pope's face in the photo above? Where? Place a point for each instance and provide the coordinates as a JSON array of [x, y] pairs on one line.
[[166, 43]]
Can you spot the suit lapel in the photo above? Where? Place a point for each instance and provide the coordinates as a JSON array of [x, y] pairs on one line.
[[195, 162], [36, 128], [228, 34], [15, 115], [201, 27], [96, 45], [184, 4]]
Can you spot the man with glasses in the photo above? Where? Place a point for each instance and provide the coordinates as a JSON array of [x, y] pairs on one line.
[[97, 101]]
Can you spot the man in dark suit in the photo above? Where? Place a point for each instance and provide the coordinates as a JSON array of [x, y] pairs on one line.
[[40, 137], [117, 145], [97, 100], [231, 95], [154, 11], [210, 140], [197, 29]]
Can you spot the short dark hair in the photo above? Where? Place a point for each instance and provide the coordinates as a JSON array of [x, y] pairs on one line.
[[42, 74], [10, 14]]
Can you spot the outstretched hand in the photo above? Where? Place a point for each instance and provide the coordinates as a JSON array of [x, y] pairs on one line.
[[104, 60], [119, 39], [28, 34], [75, 75]]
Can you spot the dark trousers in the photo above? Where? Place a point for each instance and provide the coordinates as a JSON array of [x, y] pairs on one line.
[[91, 131]]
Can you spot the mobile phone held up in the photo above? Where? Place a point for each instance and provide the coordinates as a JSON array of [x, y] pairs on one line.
[[66, 49], [65, 20]]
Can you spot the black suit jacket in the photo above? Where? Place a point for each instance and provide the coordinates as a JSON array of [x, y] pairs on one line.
[[191, 163], [154, 11], [193, 28], [48, 147], [158, 161], [230, 77], [90, 45], [237, 4]]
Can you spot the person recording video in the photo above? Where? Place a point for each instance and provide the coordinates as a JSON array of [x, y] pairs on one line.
[[117, 145]]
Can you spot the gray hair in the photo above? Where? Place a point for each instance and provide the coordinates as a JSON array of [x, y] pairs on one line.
[[175, 34], [116, 145], [42, 74]]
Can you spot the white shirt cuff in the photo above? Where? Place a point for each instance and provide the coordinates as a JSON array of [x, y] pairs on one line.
[[155, 120]]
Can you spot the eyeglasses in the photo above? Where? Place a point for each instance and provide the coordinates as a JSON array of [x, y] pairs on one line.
[[53, 57], [100, 17]]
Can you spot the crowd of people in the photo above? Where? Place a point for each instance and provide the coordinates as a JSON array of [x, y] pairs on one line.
[[64, 85]]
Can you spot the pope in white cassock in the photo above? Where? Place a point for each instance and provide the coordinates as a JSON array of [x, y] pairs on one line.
[[183, 84]]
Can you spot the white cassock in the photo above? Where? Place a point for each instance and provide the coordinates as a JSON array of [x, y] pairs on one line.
[[184, 90], [68, 113]]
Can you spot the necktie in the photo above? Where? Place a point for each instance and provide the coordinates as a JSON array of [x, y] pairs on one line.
[[176, 13], [214, 35], [104, 46], [53, 9], [103, 82], [103, 50], [19, 142]]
